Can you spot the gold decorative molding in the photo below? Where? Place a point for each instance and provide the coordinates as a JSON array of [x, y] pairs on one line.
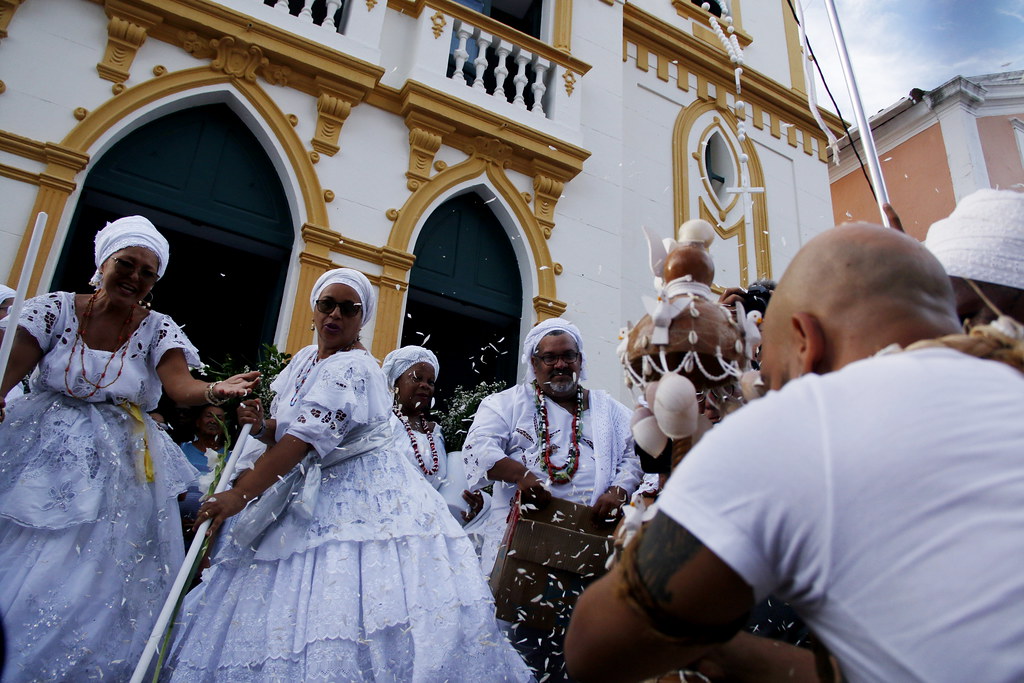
[[117, 88], [548, 308], [293, 120], [558, 269], [126, 32], [370, 4], [328, 196], [492, 150], [561, 38], [3, 87], [159, 70], [438, 22], [425, 137], [440, 165], [652, 35], [314, 156], [7, 10], [80, 113], [570, 82], [333, 105], [392, 214], [548, 191], [236, 59]]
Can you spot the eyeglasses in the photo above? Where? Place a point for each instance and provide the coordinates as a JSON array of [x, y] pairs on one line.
[[349, 309], [569, 357], [128, 268]]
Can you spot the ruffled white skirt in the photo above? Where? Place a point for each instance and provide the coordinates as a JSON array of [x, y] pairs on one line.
[[380, 585], [88, 549]]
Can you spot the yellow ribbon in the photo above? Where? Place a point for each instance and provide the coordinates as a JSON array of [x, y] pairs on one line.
[[139, 429]]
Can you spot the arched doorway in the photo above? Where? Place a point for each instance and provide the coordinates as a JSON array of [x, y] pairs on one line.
[[203, 179], [465, 296]]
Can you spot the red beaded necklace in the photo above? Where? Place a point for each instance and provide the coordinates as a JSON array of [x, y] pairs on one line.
[[436, 461], [565, 473], [122, 339]]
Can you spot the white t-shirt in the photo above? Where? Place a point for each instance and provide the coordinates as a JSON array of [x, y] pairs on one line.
[[885, 502]]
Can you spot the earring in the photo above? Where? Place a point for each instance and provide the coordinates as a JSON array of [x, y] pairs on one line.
[[312, 326], [394, 390], [147, 301]]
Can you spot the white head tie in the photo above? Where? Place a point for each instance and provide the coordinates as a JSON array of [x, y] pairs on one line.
[[352, 278], [130, 231], [6, 293], [543, 328], [400, 360], [983, 239]]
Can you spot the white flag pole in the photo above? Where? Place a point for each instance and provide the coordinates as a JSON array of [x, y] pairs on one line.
[[867, 139], [179, 582], [19, 296]]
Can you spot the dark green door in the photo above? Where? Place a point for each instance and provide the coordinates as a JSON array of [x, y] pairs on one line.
[[204, 180], [465, 296]]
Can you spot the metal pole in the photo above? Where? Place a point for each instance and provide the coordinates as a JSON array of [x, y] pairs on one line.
[[19, 295], [186, 566], [867, 139]]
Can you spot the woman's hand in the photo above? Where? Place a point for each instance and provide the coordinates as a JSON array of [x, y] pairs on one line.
[[219, 507], [237, 385], [476, 504], [251, 412]]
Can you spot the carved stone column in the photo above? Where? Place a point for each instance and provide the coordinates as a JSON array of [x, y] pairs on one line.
[[425, 138]]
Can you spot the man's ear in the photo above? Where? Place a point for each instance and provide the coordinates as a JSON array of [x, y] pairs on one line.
[[809, 342]]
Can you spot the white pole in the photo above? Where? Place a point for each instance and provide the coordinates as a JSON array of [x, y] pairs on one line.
[[868, 140], [19, 296], [190, 558]]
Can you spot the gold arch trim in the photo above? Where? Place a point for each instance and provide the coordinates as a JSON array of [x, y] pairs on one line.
[[545, 304], [59, 179], [681, 187]]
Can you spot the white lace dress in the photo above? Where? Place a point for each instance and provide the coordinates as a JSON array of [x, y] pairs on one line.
[[349, 568], [88, 546]]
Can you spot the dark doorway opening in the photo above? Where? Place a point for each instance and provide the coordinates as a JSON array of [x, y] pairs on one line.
[[465, 297], [203, 179]]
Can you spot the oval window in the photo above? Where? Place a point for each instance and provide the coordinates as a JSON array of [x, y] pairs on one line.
[[718, 166]]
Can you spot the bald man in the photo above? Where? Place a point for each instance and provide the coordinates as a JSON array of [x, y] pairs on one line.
[[880, 493]]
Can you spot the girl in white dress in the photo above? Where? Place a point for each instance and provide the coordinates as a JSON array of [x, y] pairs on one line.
[[89, 532], [348, 565]]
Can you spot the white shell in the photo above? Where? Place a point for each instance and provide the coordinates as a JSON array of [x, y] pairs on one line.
[[696, 230], [675, 406], [649, 392], [648, 436]]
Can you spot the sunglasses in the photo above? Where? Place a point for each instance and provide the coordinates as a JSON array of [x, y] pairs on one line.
[[127, 268], [349, 309]]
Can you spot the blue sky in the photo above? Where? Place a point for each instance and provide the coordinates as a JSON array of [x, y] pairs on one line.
[[897, 46]]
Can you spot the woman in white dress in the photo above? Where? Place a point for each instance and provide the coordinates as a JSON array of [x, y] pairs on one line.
[[344, 564], [411, 372], [89, 530]]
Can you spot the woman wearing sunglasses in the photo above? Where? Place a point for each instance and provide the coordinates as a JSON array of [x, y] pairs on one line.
[[341, 563], [89, 531]]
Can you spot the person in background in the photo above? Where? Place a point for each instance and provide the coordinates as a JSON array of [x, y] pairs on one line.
[[412, 371], [209, 436]]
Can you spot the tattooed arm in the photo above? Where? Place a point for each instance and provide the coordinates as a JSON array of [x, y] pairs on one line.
[[683, 600]]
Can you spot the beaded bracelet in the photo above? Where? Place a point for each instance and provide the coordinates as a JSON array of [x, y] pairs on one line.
[[211, 398]]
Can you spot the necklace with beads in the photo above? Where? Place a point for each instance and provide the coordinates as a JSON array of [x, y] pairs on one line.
[[122, 339], [565, 473], [310, 364], [435, 460]]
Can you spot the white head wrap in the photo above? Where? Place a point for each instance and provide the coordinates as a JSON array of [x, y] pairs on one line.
[[352, 278], [130, 231], [6, 293], [400, 360], [538, 332], [983, 239]]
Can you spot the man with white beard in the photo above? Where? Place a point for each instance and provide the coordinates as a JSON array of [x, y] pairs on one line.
[[548, 436]]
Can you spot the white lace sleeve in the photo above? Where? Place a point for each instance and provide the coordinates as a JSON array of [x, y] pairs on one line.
[[42, 316], [169, 336], [335, 403]]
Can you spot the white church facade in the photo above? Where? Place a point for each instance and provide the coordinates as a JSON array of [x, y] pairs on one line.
[[486, 164]]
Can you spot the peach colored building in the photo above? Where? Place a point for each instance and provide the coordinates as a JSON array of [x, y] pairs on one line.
[[936, 147]]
